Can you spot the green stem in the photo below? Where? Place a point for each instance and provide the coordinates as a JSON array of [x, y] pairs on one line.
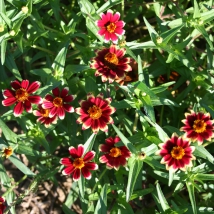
[[161, 116], [122, 9], [53, 30], [100, 177]]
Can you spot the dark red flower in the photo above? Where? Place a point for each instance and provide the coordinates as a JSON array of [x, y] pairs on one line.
[[111, 64], [2, 205], [110, 26], [95, 113], [44, 117], [58, 103], [79, 163], [176, 153], [114, 157], [21, 96], [198, 126]]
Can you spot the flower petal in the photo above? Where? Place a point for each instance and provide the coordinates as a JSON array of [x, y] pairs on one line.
[[89, 156], [35, 99], [18, 109], [9, 101], [34, 86], [25, 84]]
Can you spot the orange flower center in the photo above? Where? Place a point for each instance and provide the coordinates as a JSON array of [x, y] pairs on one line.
[[94, 112], [111, 59], [45, 112], [7, 152], [115, 152], [111, 27], [78, 163], [58, 101], [199, 126], [21, 94], [177, 152]]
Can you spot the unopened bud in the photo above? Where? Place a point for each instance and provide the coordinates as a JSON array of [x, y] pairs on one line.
[[25, 9], [159, 40], [12, 33], [1, 28]]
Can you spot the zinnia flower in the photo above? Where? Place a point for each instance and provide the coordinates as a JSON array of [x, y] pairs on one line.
[[198, 126], [110, 26], [44, 117], [176, 153], [114, 157], [95, 113], [110, 64], [58, 103], [21, 96], [79, 163], [7, 152], [2, 205]]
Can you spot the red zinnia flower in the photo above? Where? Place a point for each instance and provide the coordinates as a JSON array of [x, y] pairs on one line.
[[198, 126], [95, 113], [2, 206], [114, 157], [58, 103], [110, 26], [79, 163], [7, 152], [176, 153], [44, 117], [21, 96], [110, 63]]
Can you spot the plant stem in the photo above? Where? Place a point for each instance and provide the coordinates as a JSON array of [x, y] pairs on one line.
[[100, 177], [161, 116]]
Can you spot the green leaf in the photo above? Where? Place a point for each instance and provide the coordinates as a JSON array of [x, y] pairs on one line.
[[135, 168], [162, 87], [90, 84], [190, 189], [162, 199], [81, 184], [73, 69], [9, 135], [148, 107], [204, 177], [108, 5], [5, 179], [140, 193], [203, 153], [67, 210], [153, 34], [6, 19], [17, 162], [89, 143], [171, 176], [101, 207], [146, 45], [3, 51], [125, 141], [86, 8], [196, 13], [140, 69]]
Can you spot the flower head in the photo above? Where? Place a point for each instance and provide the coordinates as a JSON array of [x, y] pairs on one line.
[[2, 205], [44, 117], [198, 126], [7, 152], [176, 153], [114, 157], [95, 113], [21, 96], [79, 163], [110, 63], [57, 104], [110, 26]]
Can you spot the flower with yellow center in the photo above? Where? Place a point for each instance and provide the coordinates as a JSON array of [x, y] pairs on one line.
[[94, 112], [58, 101], [199, 126], [78, 163], [111, 60], [115, 152], [111, 27], [177, 152], [7, 152]]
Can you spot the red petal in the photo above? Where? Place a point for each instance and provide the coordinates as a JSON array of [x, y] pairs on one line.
[[114, 37], [56, 92], [18, 109], [53, 111], [61, 113], [64, 92], [15, 84], [47, 105], [35, 99], [66, 161], [68, 170], [27, 106], [68, 98], [86, 173], [8, 93], [68, 108], [115, 17], [76, 175], [34, 86], [9, 101], [49, 98], [80, 150], [91, 166], [25, 84], [89, 156]]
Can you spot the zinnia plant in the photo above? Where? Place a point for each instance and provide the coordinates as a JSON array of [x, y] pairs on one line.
[[7, 152], [113, 157], [58, 103], [21, 96], [111, 64], [110, 26], [198, 127], [176, 153], [79, 163], [95, 113]]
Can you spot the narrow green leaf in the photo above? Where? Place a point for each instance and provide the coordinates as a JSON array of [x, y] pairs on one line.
[[90, 84], [3, 51], [135, 168], [202, 152], [152, 32], [140, 193], [6, 19], [204, 177], [73, 69], [140, 69], [67, 210], [196, 13], [89, 143], [171, 176], [17, 162], [101, 207], [125, 141], [81, 184], [146, 45], [86, 8], [190, 189], [108, 5], [9, 135], [5, 179], [148, 107], [162, 199], [162, 87]]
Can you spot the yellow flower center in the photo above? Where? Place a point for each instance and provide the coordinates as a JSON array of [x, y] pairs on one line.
[[111, 59], [45, 112], [111, 27], [7, 152], [115, 152], [58, 102], [199, 126], [21, 94], [94, 112], [78, 163], [177, 152]]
